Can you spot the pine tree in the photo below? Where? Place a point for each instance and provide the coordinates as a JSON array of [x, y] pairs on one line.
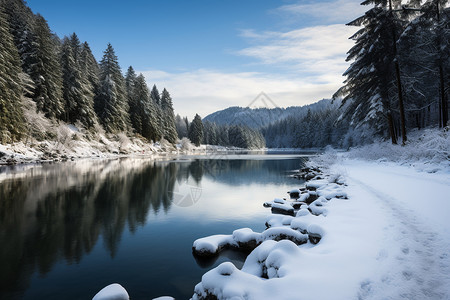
[[78, 93], [134, 100], [168, 117], [180, 124], [156, 98], [147, 109], [373, 83], [130, 80], [45, 70], [21, 20], [154, 95], [425, 40], [111, 101], [12, 122], [196, 130], [89, 67], [75, 44]]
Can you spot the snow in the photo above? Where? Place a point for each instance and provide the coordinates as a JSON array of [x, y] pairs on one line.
[[117, 292], [212, 244], [389, 240], [112, 292]]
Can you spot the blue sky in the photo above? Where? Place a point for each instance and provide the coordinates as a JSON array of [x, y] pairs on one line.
[[212, 54]]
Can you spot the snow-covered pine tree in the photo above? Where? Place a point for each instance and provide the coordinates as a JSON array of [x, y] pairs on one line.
[[180, 124], [372, 84], [89, 68], [76, 46], [210, 133], [425, 41], [134, 100], [170, 131], [196, 130], [71, 82], [146, 109], [11, 114], [111, 101], [130, 80], [78, 93], [21, 20], [156, 98], [44, 69]]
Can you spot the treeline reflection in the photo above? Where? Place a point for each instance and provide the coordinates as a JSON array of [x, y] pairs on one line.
[[50, 213], [59, 212]]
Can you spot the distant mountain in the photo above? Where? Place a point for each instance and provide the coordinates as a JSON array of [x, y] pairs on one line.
[[262, 117]]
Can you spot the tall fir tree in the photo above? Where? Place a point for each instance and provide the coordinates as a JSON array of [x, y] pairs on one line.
[[196, 130], [156, 98], [12, 122], [111, 101], [89, 68], [44, 69], [147, 111], [130, 81], [75, 44], [135, 99], [170, 131], [78, 93], [21, 20], [372, 84]]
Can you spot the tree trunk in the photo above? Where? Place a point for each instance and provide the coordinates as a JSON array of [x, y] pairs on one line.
[[399, 82], [443, 110], [400, 103], [392, 129]]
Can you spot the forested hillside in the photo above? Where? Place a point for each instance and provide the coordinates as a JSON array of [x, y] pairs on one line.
[[66, 83]]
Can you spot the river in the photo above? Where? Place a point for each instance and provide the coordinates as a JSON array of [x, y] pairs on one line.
[[69, 229]]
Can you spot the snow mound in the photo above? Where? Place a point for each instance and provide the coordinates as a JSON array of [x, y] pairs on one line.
[[112, 292], [213, 244], [245, 239], [269, 261]]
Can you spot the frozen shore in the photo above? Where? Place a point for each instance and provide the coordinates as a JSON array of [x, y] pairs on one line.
[[389, 240]]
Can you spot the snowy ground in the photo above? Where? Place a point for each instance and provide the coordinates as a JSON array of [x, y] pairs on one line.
[[389, 240], [410, 214], [71, 143]]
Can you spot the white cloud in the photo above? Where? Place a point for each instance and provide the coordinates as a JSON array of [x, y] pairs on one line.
[[206, 91], [332, 12], [312, 51]]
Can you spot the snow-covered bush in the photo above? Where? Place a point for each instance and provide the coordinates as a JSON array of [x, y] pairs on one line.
[[37, 124], [326, 159], [428, 146], [186, 145], [124, 141], [63, 137]]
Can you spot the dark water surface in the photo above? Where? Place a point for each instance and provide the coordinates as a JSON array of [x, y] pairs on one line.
[[69, 229]]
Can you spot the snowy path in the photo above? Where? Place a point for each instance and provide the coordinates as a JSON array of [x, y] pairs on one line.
[[413, 260]]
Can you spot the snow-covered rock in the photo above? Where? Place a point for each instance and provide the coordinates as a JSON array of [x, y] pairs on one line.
[[245, 239], [112, 292]]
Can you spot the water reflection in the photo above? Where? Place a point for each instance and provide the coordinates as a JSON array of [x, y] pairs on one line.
[[50, 213], [60, 211]]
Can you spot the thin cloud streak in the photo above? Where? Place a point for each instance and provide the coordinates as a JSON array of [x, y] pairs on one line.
[[332, 12], [311, 51]]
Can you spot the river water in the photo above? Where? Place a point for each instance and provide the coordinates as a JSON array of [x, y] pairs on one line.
[[69, 229]]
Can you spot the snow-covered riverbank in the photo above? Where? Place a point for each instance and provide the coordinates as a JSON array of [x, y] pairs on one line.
[[390, 240]]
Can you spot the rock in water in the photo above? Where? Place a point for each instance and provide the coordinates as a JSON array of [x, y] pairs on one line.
[[112, 292]]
